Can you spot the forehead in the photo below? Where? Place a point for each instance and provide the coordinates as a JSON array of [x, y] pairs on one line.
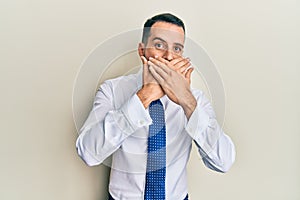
[[168, 32]]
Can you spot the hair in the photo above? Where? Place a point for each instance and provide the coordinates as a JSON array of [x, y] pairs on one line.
[[165, 17]]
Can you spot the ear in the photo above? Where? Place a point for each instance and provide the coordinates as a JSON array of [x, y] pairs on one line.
[[141, 49]]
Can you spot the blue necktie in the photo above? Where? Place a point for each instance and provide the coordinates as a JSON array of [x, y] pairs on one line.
[[156, 159]]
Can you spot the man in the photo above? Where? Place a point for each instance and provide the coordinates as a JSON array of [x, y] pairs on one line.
[[147, 121]]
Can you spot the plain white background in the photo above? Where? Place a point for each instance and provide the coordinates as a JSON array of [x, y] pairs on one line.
[[255, 45]]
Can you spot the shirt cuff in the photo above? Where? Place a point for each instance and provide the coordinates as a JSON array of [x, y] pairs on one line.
[[197, 123], [135, 112]]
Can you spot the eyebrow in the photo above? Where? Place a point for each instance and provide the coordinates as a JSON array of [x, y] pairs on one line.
[[176, 43]]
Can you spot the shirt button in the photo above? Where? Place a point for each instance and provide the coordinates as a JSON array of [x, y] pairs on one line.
[[141, 122]]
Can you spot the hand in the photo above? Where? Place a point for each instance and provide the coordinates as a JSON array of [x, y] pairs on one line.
[[180, 65], [174, 78], [151, 89]]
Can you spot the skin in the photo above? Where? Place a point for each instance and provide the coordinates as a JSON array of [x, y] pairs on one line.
[[165, 70]]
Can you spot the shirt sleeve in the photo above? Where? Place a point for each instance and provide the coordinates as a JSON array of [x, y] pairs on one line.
[[106, 128], [214, 146]]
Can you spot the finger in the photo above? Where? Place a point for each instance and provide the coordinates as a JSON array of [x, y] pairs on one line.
[[182, 61], [182, 65], [162, 60], [183, 68], [156, 75], [188, 73], [177, 60], [144, 60], [159, 64], [159, 70], [172, 63], [145, 66]]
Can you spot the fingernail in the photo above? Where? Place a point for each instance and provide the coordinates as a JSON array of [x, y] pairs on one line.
[[156, 56], [150, 58], [188, 59]]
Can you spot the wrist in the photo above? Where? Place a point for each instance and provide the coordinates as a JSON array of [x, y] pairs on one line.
[[189, 105], [144, 96]]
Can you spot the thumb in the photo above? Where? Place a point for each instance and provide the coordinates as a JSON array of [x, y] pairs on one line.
[[144, 60], [145, 67]]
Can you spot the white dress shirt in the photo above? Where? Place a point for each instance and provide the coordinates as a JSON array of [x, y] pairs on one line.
[[118, 126]]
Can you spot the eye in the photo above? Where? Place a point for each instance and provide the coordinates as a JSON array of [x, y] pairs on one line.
[[177, 49], [159, 45]]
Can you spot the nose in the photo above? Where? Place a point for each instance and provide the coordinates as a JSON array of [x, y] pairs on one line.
[[168, 55]]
